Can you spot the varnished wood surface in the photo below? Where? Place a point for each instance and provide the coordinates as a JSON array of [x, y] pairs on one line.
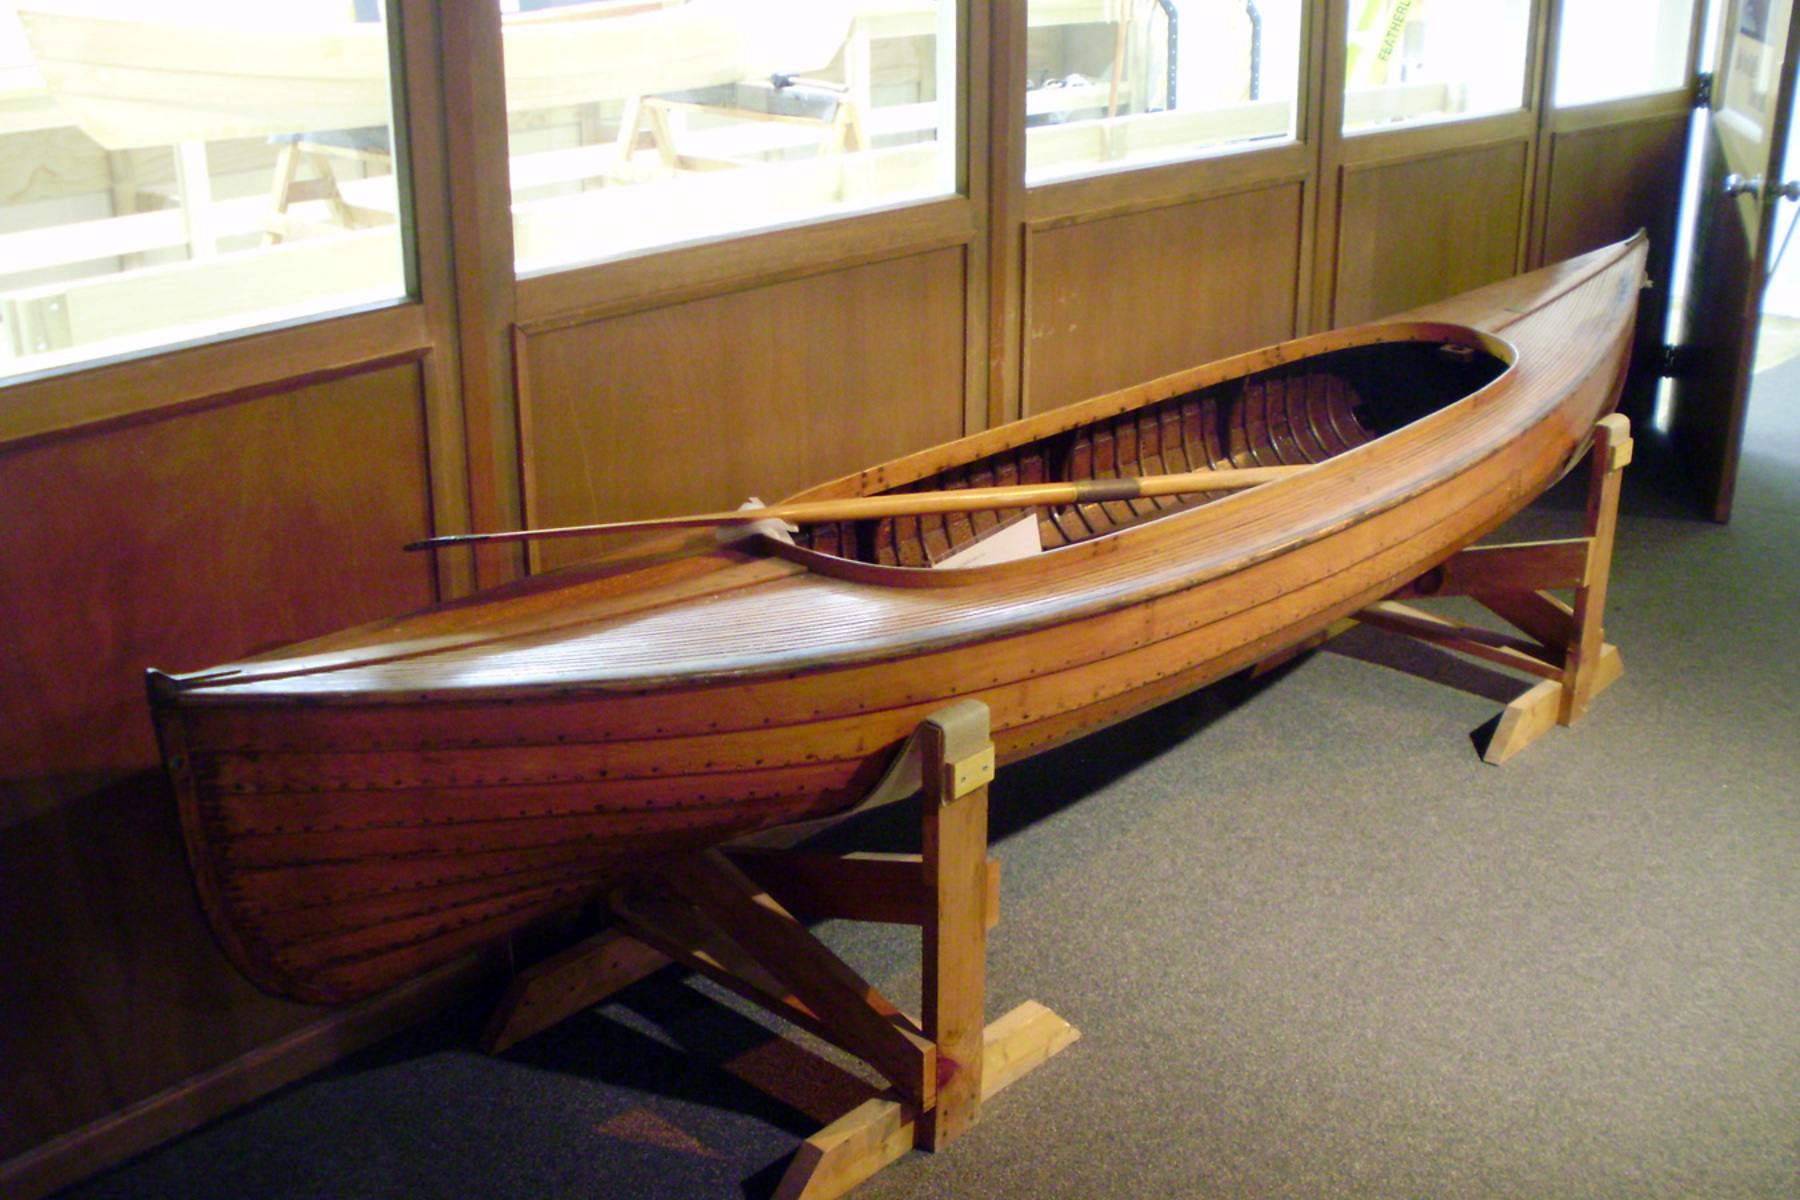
[[438, 797], [164, 542], [1108, 304], [715, 386], [1605, 182], [1609, 181], [1421, 229], [1259, 428]]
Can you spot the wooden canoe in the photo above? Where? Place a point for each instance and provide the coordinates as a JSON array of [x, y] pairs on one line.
[[364, 806]]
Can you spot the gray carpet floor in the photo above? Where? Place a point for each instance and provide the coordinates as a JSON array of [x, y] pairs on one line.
[[1314, 946]]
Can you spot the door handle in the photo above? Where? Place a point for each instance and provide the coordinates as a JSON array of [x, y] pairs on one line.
[[1788, 191], [1737, 185]]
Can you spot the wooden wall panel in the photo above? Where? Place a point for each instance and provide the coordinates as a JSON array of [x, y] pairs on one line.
[[755, 393], [1421, 229], [1126, 298], [174, 543], [1609, 182], [1605, 184]]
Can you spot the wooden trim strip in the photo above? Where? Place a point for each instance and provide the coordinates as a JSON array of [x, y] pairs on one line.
[[421, 170], [1386, 147], [1632, 110], [481, 238], [577, 296], [234, 368], [1221, 172]]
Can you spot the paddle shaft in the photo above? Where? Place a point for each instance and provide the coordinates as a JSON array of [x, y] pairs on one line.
[[908, 504]]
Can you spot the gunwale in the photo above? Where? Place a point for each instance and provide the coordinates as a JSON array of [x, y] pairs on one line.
[[1076, 582]]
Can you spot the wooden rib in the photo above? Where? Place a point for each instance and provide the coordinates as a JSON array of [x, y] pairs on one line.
[[1296, 453], [1341, 406], [1081, 462], [1262, 424], [1106, 466], [981, 475], [1174, 444], [1128, 460], [1273, 395], [958, 526], [1150, 458], [909, 542], [1318, 448]]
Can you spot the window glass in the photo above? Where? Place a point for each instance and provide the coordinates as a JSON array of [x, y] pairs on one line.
[[1410, 61], [637, 124], [1123, 83], [170, 171], [1605, 54]]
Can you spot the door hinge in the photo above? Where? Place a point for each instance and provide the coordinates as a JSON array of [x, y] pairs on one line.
[[1674, 361], [1703, 85]]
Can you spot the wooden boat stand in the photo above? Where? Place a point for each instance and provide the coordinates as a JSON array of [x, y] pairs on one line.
[[1564, 643], [736, 916]]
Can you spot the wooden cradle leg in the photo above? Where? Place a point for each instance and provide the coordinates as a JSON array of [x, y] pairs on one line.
[[1590, 664], [974, 1061], [1564, 645], [738, 916]]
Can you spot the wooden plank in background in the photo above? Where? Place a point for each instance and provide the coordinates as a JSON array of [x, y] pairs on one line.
[[1422, 229], [174, 543], [756, 393], [1116, 301], [1605, 183]]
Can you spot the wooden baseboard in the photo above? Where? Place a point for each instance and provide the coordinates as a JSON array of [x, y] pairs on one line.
[[201, 1098]]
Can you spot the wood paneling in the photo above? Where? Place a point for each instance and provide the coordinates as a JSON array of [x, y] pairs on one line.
[[1126, 298], [757, 393], [174, 543], [1418, 230], [1609, 182], [1605, 184]]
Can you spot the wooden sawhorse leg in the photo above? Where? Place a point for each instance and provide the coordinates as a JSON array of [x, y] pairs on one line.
[[736, 916], [1563, 644]]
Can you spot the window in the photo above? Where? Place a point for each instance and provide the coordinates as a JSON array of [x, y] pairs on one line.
[[1124, 83], [1604, 54], [640, 124], [171, 172], [1411, 61]]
